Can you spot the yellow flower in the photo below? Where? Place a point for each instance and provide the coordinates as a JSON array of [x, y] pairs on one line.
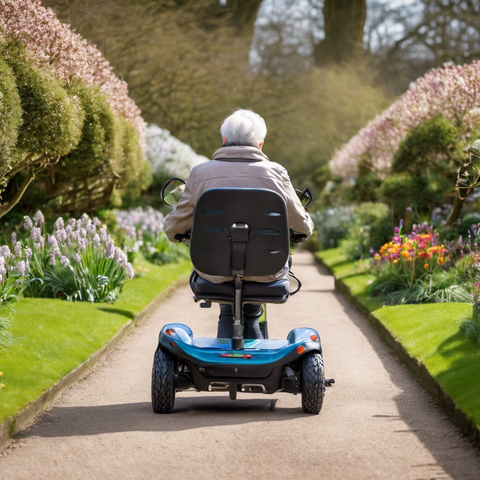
[[395, 261], [426, 266], [1, 373], [2, 385]]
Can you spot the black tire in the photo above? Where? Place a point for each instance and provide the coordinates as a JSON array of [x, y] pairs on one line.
[[313, 383], [163, 389]]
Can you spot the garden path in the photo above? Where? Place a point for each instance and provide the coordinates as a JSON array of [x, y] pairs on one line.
[[376, 422]]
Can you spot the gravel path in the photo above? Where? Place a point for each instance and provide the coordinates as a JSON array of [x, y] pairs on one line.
[[376, 422]]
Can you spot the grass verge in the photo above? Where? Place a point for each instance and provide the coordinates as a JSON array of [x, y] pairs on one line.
[[53, 337], [431, 333]]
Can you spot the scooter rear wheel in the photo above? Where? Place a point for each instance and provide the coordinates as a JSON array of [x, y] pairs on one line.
[[313, 383], [163, 389]]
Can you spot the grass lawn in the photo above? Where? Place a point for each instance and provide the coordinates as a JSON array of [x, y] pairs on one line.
[[53, 337], [431, 333]]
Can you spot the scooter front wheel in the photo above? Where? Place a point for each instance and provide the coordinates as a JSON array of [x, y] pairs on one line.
[[313, 383], [163, 389]]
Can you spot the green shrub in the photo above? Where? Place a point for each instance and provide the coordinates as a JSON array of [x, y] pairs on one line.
[[418, 192], [370, 230], [92, 155], [52, 120], [10, 114], [367, 182], [129, 159], [432, 146]]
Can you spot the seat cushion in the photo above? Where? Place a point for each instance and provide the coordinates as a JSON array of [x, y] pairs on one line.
[[279, 288]]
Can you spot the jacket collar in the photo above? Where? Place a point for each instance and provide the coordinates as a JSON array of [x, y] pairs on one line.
[[239, 154]]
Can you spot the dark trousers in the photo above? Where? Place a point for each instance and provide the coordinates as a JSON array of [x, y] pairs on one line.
[[251, 313]]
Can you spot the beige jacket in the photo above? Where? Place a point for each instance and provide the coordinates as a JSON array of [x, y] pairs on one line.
[[242, 167]]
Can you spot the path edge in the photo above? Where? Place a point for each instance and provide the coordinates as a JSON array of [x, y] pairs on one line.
[[26, 417], [458, 417]]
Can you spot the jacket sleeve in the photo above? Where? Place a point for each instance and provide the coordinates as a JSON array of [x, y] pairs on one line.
[[181, 218], [298, 218]]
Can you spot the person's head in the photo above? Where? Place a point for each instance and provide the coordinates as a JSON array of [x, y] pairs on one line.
[[243, 127]]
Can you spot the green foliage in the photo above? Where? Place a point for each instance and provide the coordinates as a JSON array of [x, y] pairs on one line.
[[158, 249], [433, 145], [440, 287], [133, 194], [418, 192], [10, 113], [129, 160], [472, 329], [52, 120], [6, 338], [92, 155], [370, 230], [35, 277], [94, 279], [10, 288], [367, 182]]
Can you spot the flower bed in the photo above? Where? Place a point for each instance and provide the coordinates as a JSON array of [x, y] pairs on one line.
[[78, 261]]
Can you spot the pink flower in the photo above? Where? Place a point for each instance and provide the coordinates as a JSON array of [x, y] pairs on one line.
[[67, 53]]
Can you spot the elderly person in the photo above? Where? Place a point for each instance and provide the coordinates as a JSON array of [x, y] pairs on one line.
[[239, 163]]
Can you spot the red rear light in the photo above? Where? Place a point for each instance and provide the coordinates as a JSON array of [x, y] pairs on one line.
[[170, 331], [300, 349], [313, 337], [173, 344]]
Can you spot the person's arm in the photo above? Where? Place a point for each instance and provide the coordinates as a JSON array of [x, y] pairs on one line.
[[181, 218], [298, 218]]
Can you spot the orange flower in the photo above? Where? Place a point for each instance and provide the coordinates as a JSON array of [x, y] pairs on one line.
[[426, 266]]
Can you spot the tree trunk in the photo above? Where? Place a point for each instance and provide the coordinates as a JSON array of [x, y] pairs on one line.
[[454, 214], [344, 23], [7, 206], [244, 15]]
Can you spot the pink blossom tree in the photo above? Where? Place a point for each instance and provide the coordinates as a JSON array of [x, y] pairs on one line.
[[48, 60], [67, 53], [451, 91]]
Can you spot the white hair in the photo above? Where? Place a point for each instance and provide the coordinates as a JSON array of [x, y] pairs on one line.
[[244, 127]]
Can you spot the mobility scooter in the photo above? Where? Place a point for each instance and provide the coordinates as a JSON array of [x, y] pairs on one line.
[[238, 232]]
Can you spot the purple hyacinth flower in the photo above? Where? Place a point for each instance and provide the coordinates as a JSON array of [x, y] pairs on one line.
[[27, 224]]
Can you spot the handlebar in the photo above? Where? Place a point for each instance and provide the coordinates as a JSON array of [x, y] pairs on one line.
[[297, 237]]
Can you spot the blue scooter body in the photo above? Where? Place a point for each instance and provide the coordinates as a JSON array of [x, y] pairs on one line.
[[213, 361]]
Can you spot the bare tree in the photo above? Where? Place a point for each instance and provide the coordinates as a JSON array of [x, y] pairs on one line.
[[409, 38]]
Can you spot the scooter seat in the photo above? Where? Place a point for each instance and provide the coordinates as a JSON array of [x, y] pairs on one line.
[[273, 292]]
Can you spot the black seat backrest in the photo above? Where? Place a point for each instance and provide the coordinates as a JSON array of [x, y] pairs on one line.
[[263, 211]]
